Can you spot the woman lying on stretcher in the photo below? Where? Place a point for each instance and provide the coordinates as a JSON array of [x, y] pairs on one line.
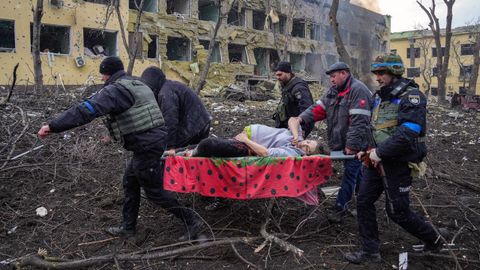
[[255, 140]]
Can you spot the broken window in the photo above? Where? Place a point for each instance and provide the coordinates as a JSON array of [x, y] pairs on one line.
[[274, 59], [152, 51], [416, 50], [216, 56], [434, 72], [178, 49], [315, 32], [103, 2], [99, 42], [237, 53], [331, 59], [207, 10], [178, 6], [434, 51], [148, 5], [131, 41], [465, 72], [313, 63], [259, 20], [53, 38], [298, 28], [7, 32], [261, 56], [328, 33], [236, 16], [297, 62], [353, 39], [466, 49], [413, 72]]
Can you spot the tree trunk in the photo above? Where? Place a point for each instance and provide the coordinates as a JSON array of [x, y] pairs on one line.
[[342, 51], [448, 42], [37, 61], [472, 84], [211, 46], [132, 52]]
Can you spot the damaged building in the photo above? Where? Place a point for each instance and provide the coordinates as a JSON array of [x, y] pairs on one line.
[[175, 35]]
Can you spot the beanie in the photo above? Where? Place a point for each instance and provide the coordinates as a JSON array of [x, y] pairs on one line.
[[284, 67], [111, 65]]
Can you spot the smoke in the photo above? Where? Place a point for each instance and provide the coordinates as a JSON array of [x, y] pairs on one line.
[[368, 4]]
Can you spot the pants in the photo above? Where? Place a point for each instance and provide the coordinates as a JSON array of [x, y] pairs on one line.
[[371, 187], [351, 179], [145, 170], [218, 147]]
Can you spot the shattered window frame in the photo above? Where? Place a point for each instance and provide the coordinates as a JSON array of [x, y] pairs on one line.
[[183, 53], [153, 47], [48, 42], [244, 57], [262, 58], [8, 29], [313, 64], [416, 51], [298, 28], [217, 54], [148, 5], [257, 22], [105, 39], [206, 5], [238, 19], [172, 4], [316, 32], [297, 61]]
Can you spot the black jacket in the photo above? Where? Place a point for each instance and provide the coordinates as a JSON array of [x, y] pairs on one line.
[[403, 144], [184, 113], [297, 98], [111, 99]]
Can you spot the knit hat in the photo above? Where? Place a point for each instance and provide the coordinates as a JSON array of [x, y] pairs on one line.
[[111, 65], [284, 67]]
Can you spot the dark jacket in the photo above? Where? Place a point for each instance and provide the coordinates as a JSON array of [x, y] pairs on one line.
[[347, 110], [184, 113], [112, 99], [403, 144], [297, 98]]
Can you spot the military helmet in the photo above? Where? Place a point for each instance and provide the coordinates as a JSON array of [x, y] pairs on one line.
[[389, 62]]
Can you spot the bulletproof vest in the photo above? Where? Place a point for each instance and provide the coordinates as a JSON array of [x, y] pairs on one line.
[[142, 116], [385, 113]]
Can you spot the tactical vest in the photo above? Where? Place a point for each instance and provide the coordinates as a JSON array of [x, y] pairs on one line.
[[143, 115], [385, 114]]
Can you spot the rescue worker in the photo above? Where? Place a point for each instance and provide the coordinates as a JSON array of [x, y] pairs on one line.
[[346, 107], [186, 118], [134, 119], [399, 127], [296, 97]]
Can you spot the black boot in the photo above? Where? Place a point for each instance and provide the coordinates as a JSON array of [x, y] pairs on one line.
[[120, 231], [192, 231], [362, 256], [437, 245], [337, 214]]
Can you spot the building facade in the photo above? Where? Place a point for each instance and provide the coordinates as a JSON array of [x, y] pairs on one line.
[[77, 34], [419, 53]]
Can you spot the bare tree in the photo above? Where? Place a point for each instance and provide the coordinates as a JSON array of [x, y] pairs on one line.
[[442, 60], [341, 50], [222, 13], [456, 47], [425, 43], [37, 61]]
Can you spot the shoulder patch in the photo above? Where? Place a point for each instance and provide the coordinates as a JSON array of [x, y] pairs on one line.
[[414, 99], [298, 95]]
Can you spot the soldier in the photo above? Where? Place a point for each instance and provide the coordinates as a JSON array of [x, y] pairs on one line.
[[134, 119], [399, 122], [296, 97]]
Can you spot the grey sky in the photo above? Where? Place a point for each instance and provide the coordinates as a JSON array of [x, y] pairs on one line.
[[406, 14]]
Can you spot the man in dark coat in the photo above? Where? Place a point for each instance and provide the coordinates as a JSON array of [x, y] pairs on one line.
[[296, 97], [134, 119], [186, 118]]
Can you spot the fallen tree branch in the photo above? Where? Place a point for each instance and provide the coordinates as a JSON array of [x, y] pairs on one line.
[[10, 91], [46, 262], [242, 258]]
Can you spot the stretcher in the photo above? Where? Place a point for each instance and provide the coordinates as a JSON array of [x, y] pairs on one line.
[[250, 177]]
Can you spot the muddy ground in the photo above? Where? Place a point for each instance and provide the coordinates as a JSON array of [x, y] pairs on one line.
[[77, 178]]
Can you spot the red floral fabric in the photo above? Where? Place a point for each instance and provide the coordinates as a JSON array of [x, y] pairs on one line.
[[248, 177]]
